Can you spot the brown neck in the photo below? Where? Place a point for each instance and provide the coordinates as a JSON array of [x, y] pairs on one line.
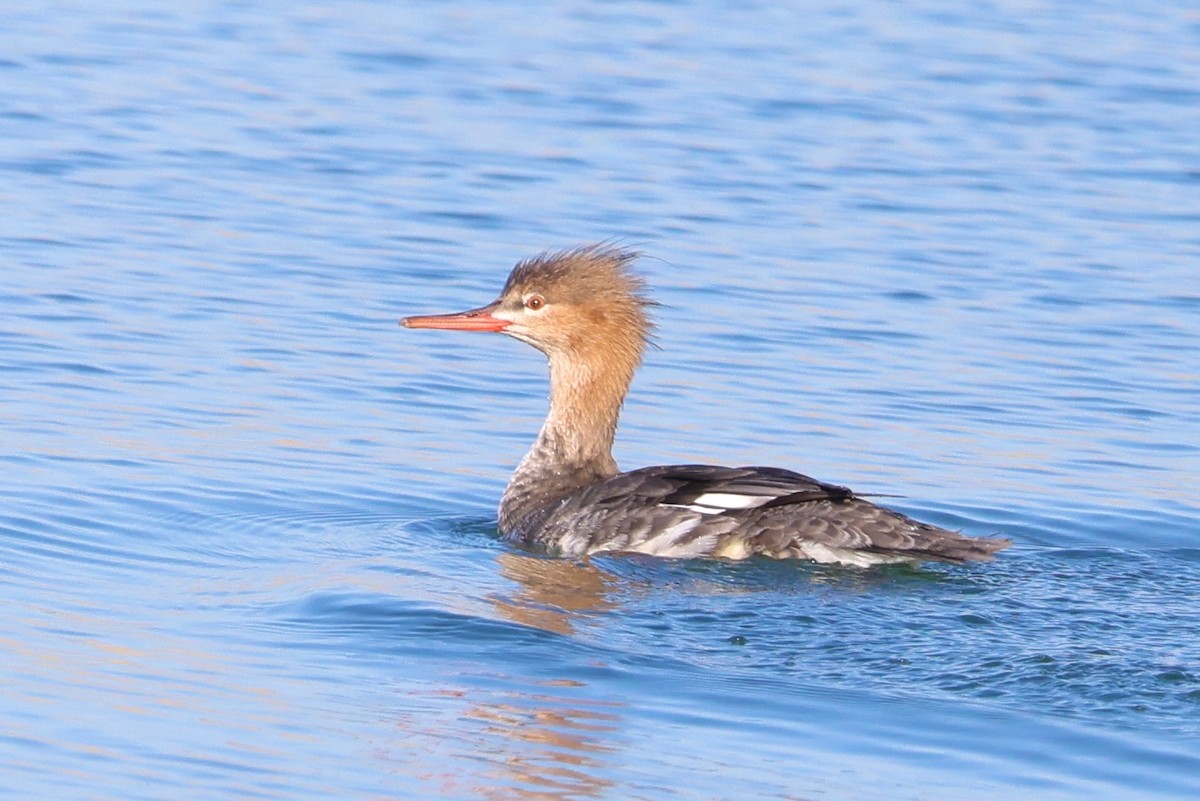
[[585, 403], [574, 448]]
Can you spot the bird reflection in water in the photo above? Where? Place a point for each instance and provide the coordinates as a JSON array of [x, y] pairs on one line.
[[553, 594], [550, 744]]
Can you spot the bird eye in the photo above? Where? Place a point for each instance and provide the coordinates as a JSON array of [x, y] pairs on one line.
[[534, 302]]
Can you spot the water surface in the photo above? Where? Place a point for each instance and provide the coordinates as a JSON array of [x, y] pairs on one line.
[[247, 527]]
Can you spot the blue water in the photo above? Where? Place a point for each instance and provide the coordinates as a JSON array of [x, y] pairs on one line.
[[247, 538]]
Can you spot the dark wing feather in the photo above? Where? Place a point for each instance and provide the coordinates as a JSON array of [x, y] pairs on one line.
[[699, 510], [666, 508], [781, 486], [774, 485]]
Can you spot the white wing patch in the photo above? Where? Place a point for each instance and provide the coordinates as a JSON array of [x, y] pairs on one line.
[[715, 503], [730, 500]]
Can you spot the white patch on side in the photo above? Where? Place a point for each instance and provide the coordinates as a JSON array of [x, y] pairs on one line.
[[573, 544], [827, 555], [666, 542], [735, 548]]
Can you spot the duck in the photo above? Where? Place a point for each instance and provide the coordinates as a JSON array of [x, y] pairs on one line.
[[589, 312]]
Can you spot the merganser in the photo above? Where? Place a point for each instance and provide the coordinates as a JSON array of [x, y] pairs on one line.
[[588, 313]]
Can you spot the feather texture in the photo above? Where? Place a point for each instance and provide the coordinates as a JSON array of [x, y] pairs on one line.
[[737, 512]]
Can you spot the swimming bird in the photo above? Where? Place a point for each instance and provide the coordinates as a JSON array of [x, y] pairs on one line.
[[587, 310]]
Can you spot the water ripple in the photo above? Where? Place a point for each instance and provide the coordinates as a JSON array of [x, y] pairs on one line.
[[248, 524]]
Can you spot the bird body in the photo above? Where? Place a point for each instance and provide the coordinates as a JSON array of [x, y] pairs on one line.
[[588, 312]]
